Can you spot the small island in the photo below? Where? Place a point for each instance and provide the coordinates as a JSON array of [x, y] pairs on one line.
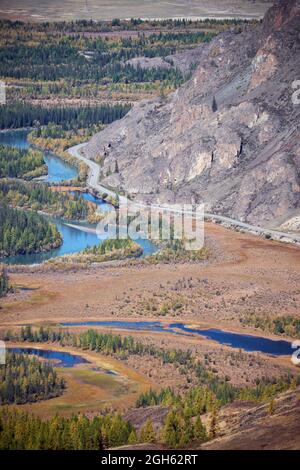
[[107, 250], [49, 200], [25, 232], [21, 163]]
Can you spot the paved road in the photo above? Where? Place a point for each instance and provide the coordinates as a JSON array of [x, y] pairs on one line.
[[275, 234], [94, 172], [93, 182]]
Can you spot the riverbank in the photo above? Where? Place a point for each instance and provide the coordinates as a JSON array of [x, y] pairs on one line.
[[214, 295], [58, 147], [102, 383], [25, 233], [42, 199], [93, 183], [74, 240], [218, 293], [236, 366], [108, 250]]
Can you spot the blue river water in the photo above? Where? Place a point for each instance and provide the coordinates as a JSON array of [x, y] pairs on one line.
[[58, 170], [246, 342], [74, 240], [62, 358], [105, 207], [76, 236], [249, 343]]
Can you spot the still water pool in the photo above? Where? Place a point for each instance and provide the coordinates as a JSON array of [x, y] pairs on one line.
[[61, 358]]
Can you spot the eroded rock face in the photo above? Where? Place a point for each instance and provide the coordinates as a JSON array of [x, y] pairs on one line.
[[228, 137], [148, 63]]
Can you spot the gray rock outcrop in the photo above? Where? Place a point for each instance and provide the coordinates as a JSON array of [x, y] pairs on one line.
[[229, 136]]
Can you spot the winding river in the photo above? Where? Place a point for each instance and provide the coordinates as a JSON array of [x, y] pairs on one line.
[[250, 343], [58, 170], [76, 236]]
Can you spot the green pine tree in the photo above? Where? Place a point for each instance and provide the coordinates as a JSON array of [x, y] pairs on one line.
[[132, 439], [199, 430], [213, 424], [147, 433], [171, 432]]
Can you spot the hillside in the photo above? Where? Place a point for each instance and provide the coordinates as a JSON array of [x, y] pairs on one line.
[[244, 426], [228, 137], [240, 425]]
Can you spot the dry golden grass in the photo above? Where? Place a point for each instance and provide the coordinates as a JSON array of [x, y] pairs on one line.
[[90, 390]]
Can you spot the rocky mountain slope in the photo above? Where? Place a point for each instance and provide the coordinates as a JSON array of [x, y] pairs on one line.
[[244, 426], [228, 137], [240, 426], [182, 61]]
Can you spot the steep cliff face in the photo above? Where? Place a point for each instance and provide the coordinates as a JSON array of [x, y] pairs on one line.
[[228, 137]]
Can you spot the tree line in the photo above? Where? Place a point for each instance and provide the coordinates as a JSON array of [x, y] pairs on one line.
[[118, 24], [114, 249], [25, 232], [23, 431], [182, 424], [4, 285], [210, 391], [25, 379], [21, 163], [279, 325], [37, 196], [180, 429], [18, 115], [55, 57], [115, 72], [213, 392], [50, 62]]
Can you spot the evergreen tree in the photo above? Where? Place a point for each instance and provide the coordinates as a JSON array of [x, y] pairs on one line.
[[171, 432], [213, 424], [18, 115], [199, 430], [4, 287], [132, 439], [25, 379], [25, 232], [187, 431], [20, 163], [147, 433], [19, 430]]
